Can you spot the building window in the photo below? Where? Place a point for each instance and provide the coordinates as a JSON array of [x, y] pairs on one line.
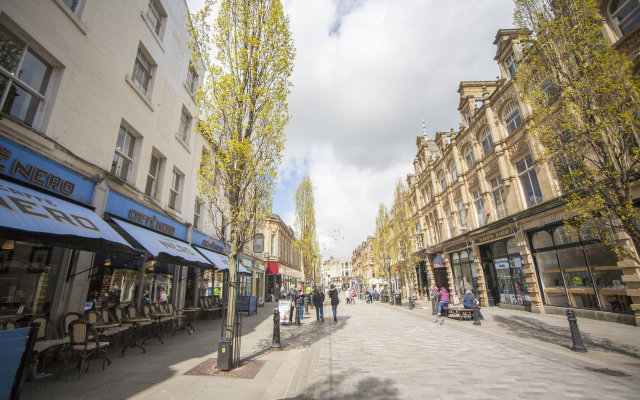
[[529, 181], [273, 245], [468, 157], [450, 224], [511, 117], [155, 16], [124, 155], [511, 65], [142, 71], [192, 79], [625, 15], [486, 141], [454, 172], [175, 190], [72, 4], [443, 181], [467, 117], [497, 189], [196, 213], [480, 211], [24, 78], [184, 127], [151, 188], [462, 214]]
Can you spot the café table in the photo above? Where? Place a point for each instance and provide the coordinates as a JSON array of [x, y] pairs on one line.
[[188, 318], [158, 317], [136, 336]]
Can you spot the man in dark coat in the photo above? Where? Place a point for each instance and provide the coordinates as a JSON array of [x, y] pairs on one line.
[[318, 303], [333, 295]]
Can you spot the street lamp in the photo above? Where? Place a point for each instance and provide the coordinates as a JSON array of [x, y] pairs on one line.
[[390, 295]]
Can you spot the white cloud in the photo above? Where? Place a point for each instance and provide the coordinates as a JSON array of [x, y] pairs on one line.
[[360, 93]]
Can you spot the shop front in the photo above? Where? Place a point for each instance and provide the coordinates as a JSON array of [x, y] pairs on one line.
[[576, 270], [503, 268], [440, 277]]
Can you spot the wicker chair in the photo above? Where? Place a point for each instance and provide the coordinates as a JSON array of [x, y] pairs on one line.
[[83, 341], [45, 342]]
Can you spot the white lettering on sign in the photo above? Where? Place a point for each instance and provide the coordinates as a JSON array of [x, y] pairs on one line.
[[176, 247], [25, 203]]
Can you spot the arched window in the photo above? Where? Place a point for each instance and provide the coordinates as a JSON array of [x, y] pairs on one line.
[[511, 117], [565, 234], [486, 141], [443, 181], [468, 157], [542, 239], [624, 14], [453, 171]]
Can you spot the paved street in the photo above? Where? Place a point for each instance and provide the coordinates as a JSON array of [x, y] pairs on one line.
[[378, 352]]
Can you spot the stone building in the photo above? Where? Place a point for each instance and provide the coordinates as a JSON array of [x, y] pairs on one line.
[[283, 260], [489, 218], [362, 265]]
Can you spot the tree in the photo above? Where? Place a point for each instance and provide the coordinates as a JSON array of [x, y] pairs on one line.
[[586, 104], [306, 240], [382, 244], [402, 225], [247, 57]]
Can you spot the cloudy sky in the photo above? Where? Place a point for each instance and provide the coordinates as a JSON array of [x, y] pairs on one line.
[[366, 73]]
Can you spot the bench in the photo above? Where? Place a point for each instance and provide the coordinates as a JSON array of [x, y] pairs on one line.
[[459, 312]]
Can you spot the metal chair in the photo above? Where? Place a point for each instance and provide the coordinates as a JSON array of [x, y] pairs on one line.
[[83, 341]]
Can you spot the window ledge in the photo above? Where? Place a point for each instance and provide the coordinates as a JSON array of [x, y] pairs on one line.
[[184, 144], [153, 32], [192, 94], [74, 18], [139, 92]]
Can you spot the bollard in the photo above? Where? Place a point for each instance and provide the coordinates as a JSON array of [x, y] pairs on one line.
[[306, 304], [575, 332], [296, 310], [275, 344], [412, 303], [476, 320]]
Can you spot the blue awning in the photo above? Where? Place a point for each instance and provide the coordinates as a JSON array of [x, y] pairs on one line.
[[33, 215], [161, 247], [220, 260]]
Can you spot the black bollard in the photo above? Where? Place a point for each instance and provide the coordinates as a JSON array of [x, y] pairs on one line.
[[275, 344], [575, 332], [476, 320], [297, 311], [306, 304]]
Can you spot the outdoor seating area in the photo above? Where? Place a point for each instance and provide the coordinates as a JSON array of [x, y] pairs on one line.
[[459, 312], [76, 339]]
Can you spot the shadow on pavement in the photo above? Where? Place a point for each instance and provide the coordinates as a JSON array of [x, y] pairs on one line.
[[532, 328], [368, 388]]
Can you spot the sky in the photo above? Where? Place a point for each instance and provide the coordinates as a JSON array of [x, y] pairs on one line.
[[367, 73]]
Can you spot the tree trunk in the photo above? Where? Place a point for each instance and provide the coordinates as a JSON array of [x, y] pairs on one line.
[[233, 290]]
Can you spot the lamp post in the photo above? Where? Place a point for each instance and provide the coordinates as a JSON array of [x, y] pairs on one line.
[[389, 294]]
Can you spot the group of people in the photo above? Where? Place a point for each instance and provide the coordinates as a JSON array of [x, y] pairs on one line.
[[316, 295], [440, 299]]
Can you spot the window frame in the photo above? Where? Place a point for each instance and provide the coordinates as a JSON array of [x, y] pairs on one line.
[[192, 80], [453, 172], [184, 127], [486, 141], [138, 66], [175, 193], [469, 157], [28, 48], [529, 169], [497, 191], [155, 178], [159, 14], [197, 211], [462, 214], [120, 154], [481, 211], [512, 118], [618, 22], [511, 65]]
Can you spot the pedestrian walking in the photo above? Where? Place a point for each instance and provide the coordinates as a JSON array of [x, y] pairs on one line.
[[434, 299], [318, 303], [335, 300], [300, 301], [443, 295], [352, 296]]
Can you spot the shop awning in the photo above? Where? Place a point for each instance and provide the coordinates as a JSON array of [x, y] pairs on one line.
[[272, 268], [32, 215], [220, 260], [163, 248]]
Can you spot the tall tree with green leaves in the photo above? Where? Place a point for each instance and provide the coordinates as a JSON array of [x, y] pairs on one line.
[[247, 56], [306, 240], [402, 236], [586, 108], [382, 244]]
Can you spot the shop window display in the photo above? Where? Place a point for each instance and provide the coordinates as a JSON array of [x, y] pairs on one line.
[[465, 276], [577, 271], [28, 277]]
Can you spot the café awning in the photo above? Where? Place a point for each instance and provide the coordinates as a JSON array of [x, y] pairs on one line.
[[29, 214], [220, 260], [163, 248]]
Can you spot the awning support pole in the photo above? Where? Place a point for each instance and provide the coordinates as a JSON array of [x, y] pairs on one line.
[[141, 283]]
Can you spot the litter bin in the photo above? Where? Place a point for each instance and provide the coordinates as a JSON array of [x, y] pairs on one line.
[[224, 354], [398, 299]]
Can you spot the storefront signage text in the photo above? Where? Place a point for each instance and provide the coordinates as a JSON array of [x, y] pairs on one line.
[[151, 222], [212, 245], [496, 235], [555, 218], [34, 174], [179, 248]]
